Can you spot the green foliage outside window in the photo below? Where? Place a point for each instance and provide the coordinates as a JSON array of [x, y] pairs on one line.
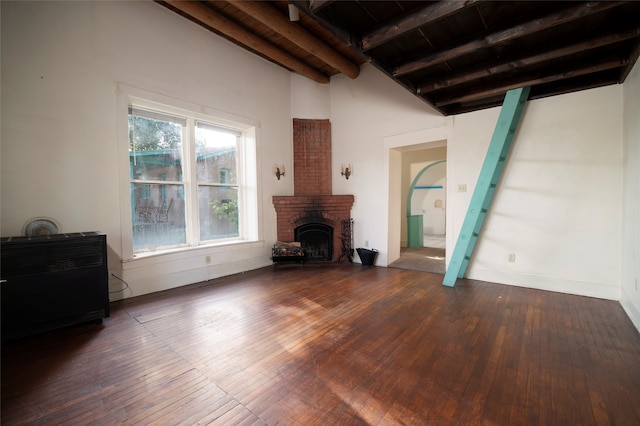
[[146, 134], [226, 210]]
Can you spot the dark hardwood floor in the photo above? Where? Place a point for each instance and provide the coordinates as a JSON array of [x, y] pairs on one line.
[[334, 344]]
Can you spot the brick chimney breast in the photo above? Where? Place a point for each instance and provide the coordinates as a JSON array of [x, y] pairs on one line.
[[312, 201], [311, 157]]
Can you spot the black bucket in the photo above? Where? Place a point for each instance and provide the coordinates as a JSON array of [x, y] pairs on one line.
[[368, 257]]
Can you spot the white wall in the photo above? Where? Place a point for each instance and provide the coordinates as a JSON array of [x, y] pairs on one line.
[[365, 112], [630, 299], [309, 100], [61, 63], [558, 205]]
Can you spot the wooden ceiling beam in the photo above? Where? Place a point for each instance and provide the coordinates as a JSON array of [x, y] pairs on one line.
[[316, 5], [424, 16], [531, 27], [499, 89], [563, 89], [504, 67], [272, 18], [200, 12], [341, 33], [633, 57]]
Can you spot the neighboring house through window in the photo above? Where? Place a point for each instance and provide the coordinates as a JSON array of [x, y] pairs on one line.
[[223, 175]]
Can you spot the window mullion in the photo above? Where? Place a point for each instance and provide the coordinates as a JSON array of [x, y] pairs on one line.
[[240, 165], [191, 185], [157, 182]]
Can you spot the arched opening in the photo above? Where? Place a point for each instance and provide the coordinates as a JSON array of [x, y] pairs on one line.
[[426, 211]]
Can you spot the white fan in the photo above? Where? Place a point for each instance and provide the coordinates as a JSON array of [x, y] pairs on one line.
[[40, 226]]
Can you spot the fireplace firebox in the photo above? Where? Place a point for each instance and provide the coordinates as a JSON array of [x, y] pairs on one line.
[[317, 240]]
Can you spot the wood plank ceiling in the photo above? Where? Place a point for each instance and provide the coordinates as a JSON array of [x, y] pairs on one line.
[[458, 56]]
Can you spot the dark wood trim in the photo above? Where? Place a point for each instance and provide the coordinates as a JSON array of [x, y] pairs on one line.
[[272, 18], [343, 35], [504, 67], [522, 30], [424, 16], [524, 82], [633, 58], [317, 5]]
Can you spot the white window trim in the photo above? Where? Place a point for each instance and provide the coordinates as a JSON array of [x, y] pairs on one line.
[[251, 230]]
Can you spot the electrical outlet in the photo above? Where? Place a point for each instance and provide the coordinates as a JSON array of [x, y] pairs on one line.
[[462, 187], [366, 244], [207, 259], [512, 257]]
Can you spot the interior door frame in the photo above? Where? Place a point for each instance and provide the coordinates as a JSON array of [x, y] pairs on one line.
[[394, 146]]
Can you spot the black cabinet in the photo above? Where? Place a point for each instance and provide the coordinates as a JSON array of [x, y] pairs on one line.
[[52, 281]]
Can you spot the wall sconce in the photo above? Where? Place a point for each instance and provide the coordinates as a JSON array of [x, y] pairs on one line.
[[346, 171], [278, 171]]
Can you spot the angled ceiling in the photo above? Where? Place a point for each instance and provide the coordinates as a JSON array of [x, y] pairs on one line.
[[458, 56]]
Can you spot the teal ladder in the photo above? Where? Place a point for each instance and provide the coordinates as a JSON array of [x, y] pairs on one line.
[[508, 120]]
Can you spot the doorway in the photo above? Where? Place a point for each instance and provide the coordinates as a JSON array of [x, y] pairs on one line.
[[397, 147], [422, 212]]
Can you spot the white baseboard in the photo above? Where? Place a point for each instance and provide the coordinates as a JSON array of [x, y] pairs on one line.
[[579, 288], [632, 311]]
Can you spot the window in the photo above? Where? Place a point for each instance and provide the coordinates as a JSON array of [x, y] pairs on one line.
[[192, 179]]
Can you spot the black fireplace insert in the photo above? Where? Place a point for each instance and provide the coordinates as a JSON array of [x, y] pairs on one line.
[[317, 240]]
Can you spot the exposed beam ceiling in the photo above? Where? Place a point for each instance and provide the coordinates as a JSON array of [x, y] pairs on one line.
[[458, 56], [428, 14], [271, 17]]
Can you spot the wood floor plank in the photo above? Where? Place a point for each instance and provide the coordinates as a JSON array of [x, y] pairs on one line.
[[333, 344]]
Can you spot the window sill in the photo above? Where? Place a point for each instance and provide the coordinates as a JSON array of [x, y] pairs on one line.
[[174, 254]]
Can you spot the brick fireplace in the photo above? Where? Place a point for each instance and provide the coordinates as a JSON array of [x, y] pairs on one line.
[[312, 202]]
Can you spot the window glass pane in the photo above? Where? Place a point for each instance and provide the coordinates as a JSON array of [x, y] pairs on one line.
[[156, 115], [155, 149], [218, 212], [158, 220], [216, 150]]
